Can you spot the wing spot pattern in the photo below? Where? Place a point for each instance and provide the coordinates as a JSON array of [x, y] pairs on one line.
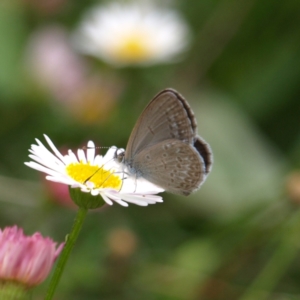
[[177, 124]]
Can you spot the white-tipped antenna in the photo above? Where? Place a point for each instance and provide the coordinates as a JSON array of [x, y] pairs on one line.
[[97, 147]]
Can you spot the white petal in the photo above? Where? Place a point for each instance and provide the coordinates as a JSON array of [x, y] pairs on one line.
[[137, 199], [71, 157], [106, 199], [49, 164], [98, 160], [54, 149], [64, 180], [41, 168], [95, 192], [90, 152], [147, 199], [42, 152], [81, 156], [123, 203], [134, 200]]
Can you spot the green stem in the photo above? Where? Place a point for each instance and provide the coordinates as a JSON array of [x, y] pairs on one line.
[[264, 283], [70, 241], [277, 265]]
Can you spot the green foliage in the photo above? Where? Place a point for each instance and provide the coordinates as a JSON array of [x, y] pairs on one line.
[[236, 238]]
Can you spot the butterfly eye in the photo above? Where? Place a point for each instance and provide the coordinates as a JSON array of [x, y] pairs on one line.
[[119, 155]]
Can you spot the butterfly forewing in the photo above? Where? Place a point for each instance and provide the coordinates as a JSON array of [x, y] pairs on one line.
[[171, 164], [167, 116]]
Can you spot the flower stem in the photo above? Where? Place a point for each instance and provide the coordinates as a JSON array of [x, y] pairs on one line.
[[278, 263], [261, 288], [70, 241]]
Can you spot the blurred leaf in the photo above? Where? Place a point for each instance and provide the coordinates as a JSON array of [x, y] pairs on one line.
[[12, 31], [198, 255], [20, 192]]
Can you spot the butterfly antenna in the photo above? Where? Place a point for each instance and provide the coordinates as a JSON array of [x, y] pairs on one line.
[[93, 174], [96, 147], [123, 173], [97, 169]]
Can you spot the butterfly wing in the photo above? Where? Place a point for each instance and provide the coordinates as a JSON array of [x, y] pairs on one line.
[[171, 164], [205, 152], [167, 116]]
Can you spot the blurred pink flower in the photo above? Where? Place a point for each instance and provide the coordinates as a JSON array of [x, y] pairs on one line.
[[59, 193], [53, 64], [26, 259]]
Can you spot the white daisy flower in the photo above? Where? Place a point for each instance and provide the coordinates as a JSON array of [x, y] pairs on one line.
[[93, 174], [132, 34]]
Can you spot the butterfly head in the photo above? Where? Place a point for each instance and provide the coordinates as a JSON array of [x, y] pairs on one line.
[[119, 155]]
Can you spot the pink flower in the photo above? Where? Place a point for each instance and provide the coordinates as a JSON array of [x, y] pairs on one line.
[[53, 63], [26, 259]]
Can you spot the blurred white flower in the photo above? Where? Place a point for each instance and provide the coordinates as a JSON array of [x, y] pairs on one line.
[[93, 174], [132, 34]]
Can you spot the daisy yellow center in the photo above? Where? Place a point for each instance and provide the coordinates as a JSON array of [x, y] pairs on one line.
[[101, 178], [133, 48]]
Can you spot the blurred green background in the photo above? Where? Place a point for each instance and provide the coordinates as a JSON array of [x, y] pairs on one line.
[[236, 238]]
